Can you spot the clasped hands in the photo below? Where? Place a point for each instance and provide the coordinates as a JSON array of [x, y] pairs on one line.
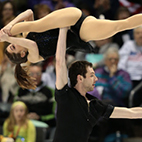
[[5, 33]]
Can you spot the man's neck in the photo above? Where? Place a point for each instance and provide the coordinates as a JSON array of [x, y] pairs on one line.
[[81, 90]]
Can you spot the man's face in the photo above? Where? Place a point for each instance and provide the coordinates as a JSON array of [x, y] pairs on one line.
[[138, 36], [90, 80], [36, 72], [111, 60]]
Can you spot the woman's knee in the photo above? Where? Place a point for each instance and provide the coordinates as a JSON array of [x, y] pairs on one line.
[[76, 12]]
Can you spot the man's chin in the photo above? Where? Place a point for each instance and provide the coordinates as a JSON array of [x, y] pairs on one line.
[[91, 89]]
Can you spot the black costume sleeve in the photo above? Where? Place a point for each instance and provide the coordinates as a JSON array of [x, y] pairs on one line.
[[61, 92], [100, 109]]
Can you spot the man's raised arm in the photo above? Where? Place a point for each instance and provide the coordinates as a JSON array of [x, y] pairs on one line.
[[61, 69]]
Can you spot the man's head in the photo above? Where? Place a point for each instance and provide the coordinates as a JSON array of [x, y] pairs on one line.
[[111, 57], [82, 72], [138, 35], [36, 72]]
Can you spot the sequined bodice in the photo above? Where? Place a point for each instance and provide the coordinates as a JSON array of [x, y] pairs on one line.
[[47, 42]]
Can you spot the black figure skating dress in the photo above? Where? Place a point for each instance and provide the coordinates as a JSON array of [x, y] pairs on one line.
[[47, 41]]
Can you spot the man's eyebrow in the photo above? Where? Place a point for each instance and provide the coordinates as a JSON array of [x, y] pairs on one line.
[[92, 72]]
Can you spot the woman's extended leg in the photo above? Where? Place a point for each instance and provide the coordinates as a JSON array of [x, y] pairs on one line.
[[97, 29], [58, 19]]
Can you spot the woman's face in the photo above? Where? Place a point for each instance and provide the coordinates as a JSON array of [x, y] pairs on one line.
[[19, 112], [8, 10], [13, 48]]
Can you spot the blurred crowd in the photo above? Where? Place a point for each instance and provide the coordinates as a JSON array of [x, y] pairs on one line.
[[117, 62]]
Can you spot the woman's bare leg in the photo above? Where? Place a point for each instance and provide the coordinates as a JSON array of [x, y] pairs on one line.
[[60, 18], [98, 29]]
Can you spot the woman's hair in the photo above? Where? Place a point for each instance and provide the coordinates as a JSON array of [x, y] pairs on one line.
[[21, 73], [11, 122], [78, 68]]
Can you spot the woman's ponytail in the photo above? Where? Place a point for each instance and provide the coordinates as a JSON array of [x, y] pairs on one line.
[[23, 78]]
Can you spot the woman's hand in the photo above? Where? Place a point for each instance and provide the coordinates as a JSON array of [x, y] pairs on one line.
[[3, 36], [7, 29]]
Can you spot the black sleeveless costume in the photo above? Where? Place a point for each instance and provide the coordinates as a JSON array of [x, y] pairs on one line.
[[47, 41]]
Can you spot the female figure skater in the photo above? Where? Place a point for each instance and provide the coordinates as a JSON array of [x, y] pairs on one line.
[[34, 47], [17, 126]]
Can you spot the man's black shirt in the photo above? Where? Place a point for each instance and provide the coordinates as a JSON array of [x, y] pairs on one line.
[[75, 117]]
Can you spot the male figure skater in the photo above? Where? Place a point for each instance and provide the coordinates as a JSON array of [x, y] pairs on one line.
[[77, 111]]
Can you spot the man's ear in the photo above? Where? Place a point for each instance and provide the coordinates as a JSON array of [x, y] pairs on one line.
[[22, 53], [79, 78]]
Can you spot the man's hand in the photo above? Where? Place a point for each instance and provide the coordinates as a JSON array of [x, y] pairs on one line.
[[3, 36], [65, 28], [33, 115]]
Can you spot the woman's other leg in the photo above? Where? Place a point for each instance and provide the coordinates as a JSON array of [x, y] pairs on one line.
[[58, 19], [98, 29]]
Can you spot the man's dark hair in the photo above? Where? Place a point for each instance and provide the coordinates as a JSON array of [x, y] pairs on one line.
[[78, 68]]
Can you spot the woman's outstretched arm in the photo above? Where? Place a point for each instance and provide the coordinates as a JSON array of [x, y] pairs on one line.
[[24, 16], [130, 113]]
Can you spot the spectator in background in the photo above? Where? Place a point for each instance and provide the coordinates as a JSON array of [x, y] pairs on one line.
[[41, 10], [53, 4], [131, 61], [7, 13], [1, 52], [21, 5], [121, 37], [114, 85], [18, 126], [59, 4], [49, 76], [136, 1], [8, 82], [84, 8], [100, 47], [40, 102], [134, 6], [107, 8]]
